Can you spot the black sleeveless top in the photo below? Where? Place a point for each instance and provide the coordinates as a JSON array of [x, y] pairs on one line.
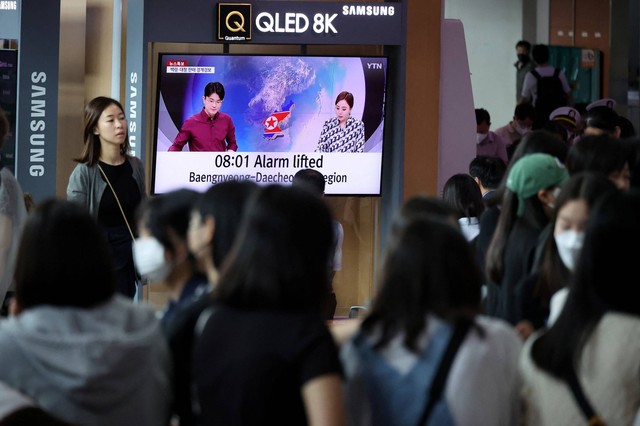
[[121, 178]]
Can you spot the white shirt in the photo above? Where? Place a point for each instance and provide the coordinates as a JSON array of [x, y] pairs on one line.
[[530, 85], [608, 370], [556, 304], [470, 227]]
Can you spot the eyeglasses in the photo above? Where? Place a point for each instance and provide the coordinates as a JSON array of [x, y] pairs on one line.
[[213, 101]]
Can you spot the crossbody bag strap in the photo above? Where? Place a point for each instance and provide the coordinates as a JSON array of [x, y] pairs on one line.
[[203, 318], [117, 201], [581, 399], [460, 330], [202, 321]]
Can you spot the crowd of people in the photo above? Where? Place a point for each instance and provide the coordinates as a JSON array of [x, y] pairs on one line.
[[554, 244], [508, 300]]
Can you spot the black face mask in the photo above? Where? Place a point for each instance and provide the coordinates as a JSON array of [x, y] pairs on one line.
[[523, 58]]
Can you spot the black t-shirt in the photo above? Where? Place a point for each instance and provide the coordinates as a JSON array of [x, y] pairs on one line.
[[250, 366], [121, 178]]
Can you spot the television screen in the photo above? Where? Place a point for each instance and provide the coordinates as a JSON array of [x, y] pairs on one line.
[[277, 115]]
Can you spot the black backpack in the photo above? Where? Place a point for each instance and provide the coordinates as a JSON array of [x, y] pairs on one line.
[[550, 95]]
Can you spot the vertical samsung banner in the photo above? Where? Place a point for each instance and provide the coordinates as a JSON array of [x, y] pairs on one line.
[[37, 116], [9, 19], [133, 104], [9, 30]]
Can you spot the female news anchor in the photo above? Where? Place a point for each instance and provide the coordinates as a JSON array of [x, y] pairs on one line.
[[342, 133]]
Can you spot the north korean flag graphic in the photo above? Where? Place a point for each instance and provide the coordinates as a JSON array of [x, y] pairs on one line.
[[272, 123]]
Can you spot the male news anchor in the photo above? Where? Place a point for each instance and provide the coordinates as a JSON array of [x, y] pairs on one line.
[[210, 129]]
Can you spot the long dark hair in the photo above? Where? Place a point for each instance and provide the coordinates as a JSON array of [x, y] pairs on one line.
[[428, 268], [280, 260], [421, 206], [463, 194], [586, 186], [534, 215], [167, 216], [601, 117], [63, 259], [601, 153], [225, 202], [604, 281], [92, 112]]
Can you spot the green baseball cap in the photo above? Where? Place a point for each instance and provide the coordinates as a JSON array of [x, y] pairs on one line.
[[532, 173]]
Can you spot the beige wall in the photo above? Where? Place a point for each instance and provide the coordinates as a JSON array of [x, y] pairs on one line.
[[85, 72], [71, 88], [422, 94]]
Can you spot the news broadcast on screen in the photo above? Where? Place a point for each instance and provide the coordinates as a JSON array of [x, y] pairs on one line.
[[270, 116]]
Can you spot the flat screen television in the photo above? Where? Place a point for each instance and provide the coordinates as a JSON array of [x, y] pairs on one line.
[[279, 106]]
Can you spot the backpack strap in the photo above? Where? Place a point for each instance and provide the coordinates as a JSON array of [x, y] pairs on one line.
[[460, 329], [556, 72], [535, 74], [581, 399]]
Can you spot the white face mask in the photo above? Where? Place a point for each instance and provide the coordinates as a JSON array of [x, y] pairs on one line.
[[480, 137], [521, 130], [569, 244], [148, 256]]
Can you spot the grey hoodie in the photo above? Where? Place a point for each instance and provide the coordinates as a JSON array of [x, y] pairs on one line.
[[103, 366], [13, 215]]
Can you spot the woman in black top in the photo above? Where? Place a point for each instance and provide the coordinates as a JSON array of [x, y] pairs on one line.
[[110, 183], [265, 355]]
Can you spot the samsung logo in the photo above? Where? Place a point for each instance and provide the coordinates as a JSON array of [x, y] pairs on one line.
[[9, 5], [38, 123], [369, 10], [133, 110]]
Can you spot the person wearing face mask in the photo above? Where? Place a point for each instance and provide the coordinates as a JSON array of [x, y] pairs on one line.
[[488, 143], [527, 205], [594, 345], [161, 255], [161, 252], [523, 117], [523, 64], [212, 228], [558, 249]]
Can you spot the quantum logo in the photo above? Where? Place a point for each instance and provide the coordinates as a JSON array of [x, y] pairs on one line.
[[234, 21]]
